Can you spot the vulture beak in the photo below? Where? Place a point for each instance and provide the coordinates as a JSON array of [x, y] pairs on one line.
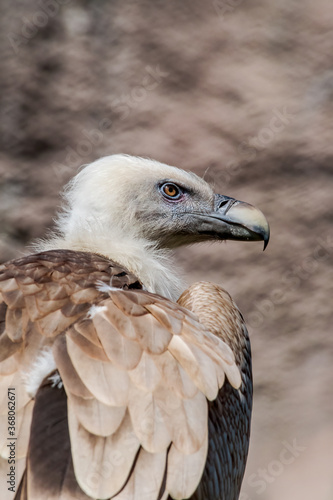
[[235, 220]]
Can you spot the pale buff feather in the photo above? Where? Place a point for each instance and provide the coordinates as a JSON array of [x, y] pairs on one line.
[[102, 464], [146, 478]]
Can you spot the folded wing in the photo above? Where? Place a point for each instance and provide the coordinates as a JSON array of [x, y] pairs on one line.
[[119, 378]]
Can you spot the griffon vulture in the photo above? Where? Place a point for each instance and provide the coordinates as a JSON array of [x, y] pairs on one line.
[[110, 386]]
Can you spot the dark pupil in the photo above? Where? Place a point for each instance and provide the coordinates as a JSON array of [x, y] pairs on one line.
[[171, 190]]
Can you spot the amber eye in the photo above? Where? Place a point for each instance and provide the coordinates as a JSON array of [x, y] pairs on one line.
[[171, 191]]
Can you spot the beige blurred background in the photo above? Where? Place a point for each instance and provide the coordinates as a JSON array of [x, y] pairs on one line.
[[238, 91]]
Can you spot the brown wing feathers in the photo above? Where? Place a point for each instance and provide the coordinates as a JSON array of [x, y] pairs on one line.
[[137, 370], [41, 295]]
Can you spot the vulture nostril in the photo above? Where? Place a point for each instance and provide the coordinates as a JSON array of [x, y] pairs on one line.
[[226, 205], [223, 203]]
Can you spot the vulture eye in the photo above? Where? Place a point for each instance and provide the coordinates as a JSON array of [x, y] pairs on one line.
[[171, 191]]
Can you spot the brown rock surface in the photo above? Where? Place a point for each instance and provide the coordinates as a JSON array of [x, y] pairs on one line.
[[240, 91]]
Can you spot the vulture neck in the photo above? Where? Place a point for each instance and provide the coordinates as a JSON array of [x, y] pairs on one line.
[[152, 266]]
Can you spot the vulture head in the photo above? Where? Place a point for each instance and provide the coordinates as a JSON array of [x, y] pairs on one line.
[[133, 210]]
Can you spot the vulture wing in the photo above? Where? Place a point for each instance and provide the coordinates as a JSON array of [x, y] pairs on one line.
[[112, 384]]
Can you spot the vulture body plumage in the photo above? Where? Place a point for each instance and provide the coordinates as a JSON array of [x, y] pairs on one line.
[[110, 386]]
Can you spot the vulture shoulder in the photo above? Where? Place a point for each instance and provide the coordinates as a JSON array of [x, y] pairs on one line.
[[119, 393]]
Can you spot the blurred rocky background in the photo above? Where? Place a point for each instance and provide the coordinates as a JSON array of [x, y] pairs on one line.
[[240, 92]]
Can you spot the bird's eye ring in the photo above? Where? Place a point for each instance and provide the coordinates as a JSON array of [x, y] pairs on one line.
[[171, 191]]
